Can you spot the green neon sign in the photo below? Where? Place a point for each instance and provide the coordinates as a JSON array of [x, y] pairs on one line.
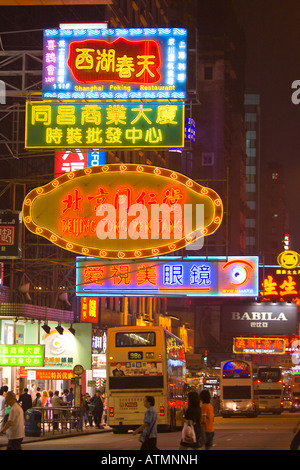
[[26, 355], [104, 125]]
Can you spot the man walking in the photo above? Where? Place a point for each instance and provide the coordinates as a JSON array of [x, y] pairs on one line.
[[14, 428], [25, 400], [149, 427]]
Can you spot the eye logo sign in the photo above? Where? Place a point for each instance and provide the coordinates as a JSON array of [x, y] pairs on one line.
[[239, 271], [288, 259]]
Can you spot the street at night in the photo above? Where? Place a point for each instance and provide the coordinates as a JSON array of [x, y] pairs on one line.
[[265, 432]]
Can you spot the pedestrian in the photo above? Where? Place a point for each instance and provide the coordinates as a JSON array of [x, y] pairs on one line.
[[44, 397], [85, 409], [48, 404], [64, 397], [56, 402], [192, 415], [37, 402], [207, 418], [33, 392], [98, 408], [15, 427], [25, 400], [148, 429], [70, 397], [3, 392]]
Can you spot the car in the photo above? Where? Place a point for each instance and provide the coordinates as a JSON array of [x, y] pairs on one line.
[[287, 403], [295, 404]]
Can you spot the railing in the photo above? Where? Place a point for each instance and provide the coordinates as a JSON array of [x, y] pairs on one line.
[[60, 419]]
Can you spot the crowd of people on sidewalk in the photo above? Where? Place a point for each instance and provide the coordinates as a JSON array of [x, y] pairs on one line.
[[13, 410]]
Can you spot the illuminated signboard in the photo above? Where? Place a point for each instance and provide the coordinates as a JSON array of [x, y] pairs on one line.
[[119, 63], [89, 309], [258, 346], [72, 160], [106, 125], [263, 318], [10, 234], [49, 374], [279, 284], [288, 259], [123, 211], [168, 276], [26, 355]]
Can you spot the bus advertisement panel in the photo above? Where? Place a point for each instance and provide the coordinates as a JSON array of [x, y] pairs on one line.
[[268, 390], [237, 396], [144, 361]]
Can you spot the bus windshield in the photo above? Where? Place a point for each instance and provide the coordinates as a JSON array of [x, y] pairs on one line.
[[269, 375]]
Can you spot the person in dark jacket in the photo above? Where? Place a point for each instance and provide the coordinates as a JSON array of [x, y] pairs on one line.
[[98, 408], [25, 400]]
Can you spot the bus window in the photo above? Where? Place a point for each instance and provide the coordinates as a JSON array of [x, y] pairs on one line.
[[133, 339]]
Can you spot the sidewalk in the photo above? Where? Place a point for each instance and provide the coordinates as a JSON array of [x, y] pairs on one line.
[[58, 435]]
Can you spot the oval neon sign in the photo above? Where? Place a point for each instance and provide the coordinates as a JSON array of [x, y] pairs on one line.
[[122, 211]]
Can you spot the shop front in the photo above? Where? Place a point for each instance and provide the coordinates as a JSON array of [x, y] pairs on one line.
[[61, 351]]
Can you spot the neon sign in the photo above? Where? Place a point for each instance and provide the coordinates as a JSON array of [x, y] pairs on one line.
[[72, 160], [105, 125], [133, 63], [89, 309], [165, 277], [26, 355], [123, 211], [279, 284], [259, 345], [117, 61]]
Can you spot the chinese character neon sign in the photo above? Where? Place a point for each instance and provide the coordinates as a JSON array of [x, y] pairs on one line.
[[278, 283], [26, 355], [123, 211], [163, 277], [133, 63], [259, 345], [106, 125]]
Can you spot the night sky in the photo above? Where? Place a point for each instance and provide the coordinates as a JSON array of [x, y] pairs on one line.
[[272, 30]]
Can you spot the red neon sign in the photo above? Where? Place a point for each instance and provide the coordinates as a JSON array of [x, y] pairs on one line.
[[118, 61]]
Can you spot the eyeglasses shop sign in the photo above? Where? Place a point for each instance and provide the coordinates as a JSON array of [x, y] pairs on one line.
[[259, 319]]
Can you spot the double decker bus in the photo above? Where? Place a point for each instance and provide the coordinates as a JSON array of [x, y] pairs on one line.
[[144, 361], [268, 390], [236, 384]]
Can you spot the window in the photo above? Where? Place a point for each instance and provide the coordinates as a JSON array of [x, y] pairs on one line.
[[237, 392], [208, 158], [143, 338]]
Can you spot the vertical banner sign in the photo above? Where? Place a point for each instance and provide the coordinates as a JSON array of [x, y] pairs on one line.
[[123, 64], [89, 309], [10, 234]]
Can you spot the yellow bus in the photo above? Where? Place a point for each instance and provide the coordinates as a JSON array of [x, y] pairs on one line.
[[144, 361]]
